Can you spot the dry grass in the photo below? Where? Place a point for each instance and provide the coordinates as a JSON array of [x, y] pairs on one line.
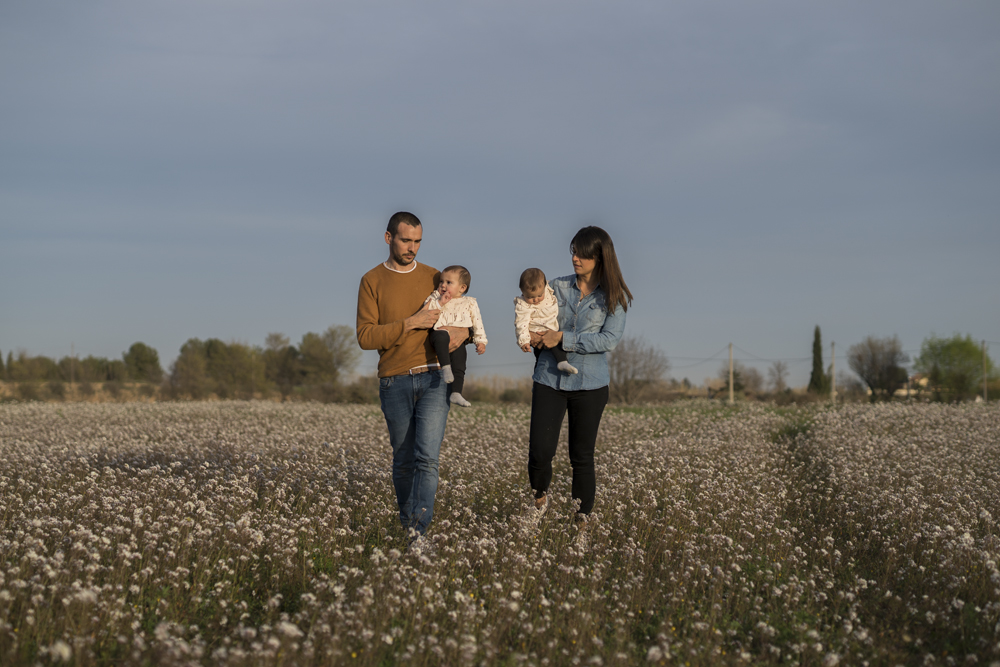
[[265, 534]]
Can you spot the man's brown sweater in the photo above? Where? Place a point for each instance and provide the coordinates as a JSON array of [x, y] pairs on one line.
[[385, 299]]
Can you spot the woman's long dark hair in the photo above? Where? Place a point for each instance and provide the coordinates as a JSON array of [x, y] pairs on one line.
[[594, 243]]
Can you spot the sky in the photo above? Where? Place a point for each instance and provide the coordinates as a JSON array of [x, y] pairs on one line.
[[214, 168]]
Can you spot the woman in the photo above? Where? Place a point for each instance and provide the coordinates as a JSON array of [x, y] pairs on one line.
[[592, 304]]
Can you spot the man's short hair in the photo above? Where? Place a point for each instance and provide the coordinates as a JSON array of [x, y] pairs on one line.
[[401, 218], [532, 281], [464, 277]]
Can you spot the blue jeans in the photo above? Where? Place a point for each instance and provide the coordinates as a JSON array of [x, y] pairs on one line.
[[416, 412]]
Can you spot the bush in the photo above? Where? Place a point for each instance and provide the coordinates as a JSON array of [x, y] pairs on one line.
[[478, 393], [27, 391], [328, 392], [86, 389], [147, 391], [56, 390], [363, 390], [516, 395], [113, 389]]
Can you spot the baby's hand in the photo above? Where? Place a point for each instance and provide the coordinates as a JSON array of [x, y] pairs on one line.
[[480, 347], [525, 348], [444, 298]]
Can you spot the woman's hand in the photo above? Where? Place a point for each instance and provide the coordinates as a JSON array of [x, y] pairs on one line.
[[551, 338]]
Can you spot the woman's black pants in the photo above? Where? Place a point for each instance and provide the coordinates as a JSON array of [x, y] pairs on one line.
[[548, 407]]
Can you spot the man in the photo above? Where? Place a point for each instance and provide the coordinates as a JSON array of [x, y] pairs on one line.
[[412, 390]]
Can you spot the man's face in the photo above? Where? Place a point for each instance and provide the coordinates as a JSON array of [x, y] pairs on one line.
[[404, 245]]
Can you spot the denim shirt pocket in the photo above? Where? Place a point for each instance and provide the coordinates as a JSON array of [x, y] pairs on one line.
[[591, 318]]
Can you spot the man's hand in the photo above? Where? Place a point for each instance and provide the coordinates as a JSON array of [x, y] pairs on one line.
[[422, 319], [480, 347], [551, 338], [458, 337], [536, 338]]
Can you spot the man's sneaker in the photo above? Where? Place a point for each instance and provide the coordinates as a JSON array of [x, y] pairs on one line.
[[458, 399]]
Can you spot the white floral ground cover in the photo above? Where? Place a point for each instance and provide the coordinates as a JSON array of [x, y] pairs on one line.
[[265, 534]]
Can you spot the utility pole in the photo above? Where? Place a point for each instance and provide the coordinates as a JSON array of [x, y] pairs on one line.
[[833, 373], [730, 374]]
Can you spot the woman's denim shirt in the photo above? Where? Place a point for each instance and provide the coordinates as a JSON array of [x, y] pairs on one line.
[[589, 331]]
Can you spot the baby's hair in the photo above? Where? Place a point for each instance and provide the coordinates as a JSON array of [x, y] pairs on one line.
[[532, 281], [464, 278]]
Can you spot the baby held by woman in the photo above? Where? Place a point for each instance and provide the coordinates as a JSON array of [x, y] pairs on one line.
[[536, 310]]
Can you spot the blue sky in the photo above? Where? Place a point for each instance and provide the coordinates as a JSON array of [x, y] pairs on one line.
[[225, 169]]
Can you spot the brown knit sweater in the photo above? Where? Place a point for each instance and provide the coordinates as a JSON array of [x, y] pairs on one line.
[[385, 299]]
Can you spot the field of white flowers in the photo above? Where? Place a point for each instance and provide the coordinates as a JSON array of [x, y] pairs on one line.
[[265, 534]]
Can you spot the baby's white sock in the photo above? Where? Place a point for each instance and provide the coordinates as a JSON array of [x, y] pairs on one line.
[[458, 399], [449, 377], [565, 367]]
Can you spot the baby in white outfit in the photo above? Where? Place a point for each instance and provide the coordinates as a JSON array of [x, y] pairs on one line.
[[457, 310], [536, 310]]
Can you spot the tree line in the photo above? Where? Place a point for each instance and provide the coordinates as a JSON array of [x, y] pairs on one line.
[[315, 368], [140, 363], [950, 369]]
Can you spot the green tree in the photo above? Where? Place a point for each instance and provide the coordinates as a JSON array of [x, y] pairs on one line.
[[953, 366], [116, 370], [879, 363], [342, 341], [143, 363], [223, 368], [93, 369], [189, 373], [10, 360], [819, 381], [326, 358], [317, 360], [24, 368], [3, 369], [281, 364]]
